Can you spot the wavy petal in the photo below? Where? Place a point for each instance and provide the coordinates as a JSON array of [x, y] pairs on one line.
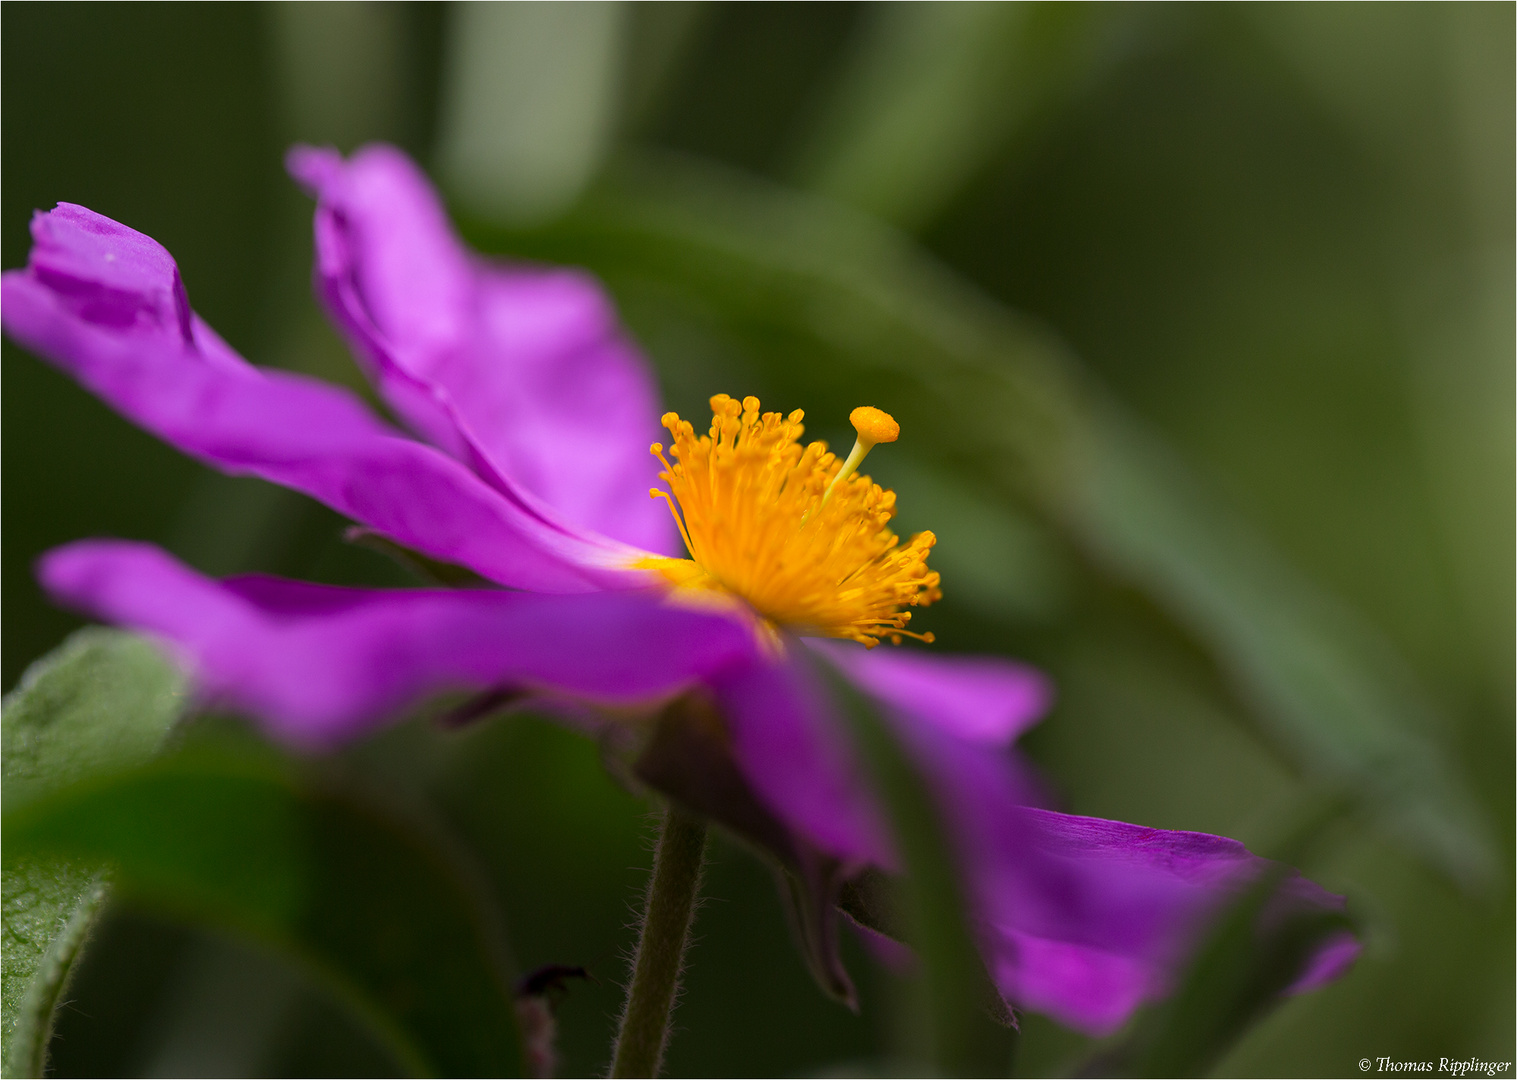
[[984, 699], [522, 370], [106, 304], [319, 663], [1085, 919]]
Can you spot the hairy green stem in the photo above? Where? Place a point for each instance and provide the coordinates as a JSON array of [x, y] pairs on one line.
[[661, 945]]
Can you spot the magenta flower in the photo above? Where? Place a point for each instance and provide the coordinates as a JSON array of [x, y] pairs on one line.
[[531, 417]]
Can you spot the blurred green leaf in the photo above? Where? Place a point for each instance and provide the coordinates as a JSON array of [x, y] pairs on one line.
[[104, 699], [529, 102], [1239, 975], [382, 914], [1320, 682], [933, 91], [954, 1020], [823, 305]]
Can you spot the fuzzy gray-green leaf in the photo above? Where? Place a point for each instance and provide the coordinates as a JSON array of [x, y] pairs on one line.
[[103, 700]]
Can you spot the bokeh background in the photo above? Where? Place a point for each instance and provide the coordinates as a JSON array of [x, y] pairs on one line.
[[1270, 248]]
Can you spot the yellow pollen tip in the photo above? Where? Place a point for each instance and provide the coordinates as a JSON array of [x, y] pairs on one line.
[[874, 425]]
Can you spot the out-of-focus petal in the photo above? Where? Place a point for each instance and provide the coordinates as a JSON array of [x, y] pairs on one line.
[[1085, 919], [318, 663], [522, 369], [797, 756], [984, 699], [1332, 960], [106, 305]]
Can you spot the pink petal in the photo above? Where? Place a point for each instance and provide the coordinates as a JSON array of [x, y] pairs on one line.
[[518, 370], [105, 304], [317, 663], [980, 698]]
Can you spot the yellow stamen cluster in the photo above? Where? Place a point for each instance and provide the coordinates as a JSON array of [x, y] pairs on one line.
[[796, 533]]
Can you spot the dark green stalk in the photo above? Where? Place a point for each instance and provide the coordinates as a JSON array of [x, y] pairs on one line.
[[661, 945]]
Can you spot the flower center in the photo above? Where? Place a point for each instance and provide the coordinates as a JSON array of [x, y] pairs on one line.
[[798, 534]]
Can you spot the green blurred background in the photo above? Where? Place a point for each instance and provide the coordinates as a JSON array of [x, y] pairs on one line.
[[1276, 240]]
